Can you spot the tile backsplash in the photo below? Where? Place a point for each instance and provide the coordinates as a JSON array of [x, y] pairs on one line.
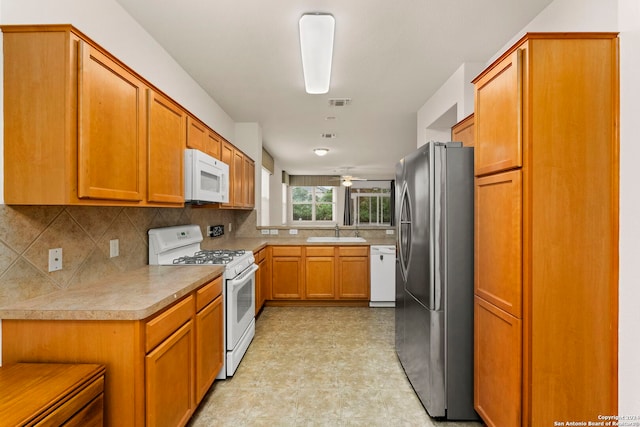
[[28, 232]]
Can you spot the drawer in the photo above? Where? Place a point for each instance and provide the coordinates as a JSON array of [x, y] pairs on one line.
[[286, 251], [319, 250], [260, 255], [163, 325], [87, 405], [353, 250], [208, 293]]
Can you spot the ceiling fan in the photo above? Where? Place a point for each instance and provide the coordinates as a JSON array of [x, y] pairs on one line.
[[347, 180]]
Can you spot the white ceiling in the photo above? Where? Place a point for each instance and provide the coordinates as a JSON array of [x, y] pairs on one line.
[[389, 58]]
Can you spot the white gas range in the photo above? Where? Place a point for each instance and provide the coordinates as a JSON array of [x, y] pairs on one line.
[[180, 245]]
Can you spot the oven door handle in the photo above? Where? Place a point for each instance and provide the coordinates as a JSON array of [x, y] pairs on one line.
[[239, 280]]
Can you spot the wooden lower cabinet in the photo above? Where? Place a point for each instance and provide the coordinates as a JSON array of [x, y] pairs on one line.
[[497, 365], [153, 365], [209, 345], [51, 394], [169, 371], [320, 273], [287, 272], [263, 277], [353, 272]]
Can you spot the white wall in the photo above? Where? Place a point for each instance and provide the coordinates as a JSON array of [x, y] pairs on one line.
[[629, 346], [450, 104]]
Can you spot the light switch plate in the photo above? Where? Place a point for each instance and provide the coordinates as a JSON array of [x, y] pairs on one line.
[[293, 231], [264, 231], [389, 231], [275, 231], [114, 248]]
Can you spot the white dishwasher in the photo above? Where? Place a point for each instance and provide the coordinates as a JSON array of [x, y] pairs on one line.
[[383, 276]]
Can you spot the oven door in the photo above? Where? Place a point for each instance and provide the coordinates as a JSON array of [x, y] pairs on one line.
[[241, 303], [206, 179]]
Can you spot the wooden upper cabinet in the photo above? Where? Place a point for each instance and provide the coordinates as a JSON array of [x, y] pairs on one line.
[[111, 134], [167, 122], [213, 145], [498, 116], [498, 240], [226, 155], [248, 187], [464, 131], [237, 179], [197, 134]]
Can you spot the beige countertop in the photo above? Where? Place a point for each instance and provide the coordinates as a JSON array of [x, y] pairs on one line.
[[255, 244], [131, 295]]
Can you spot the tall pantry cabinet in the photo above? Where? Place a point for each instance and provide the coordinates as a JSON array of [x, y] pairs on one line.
[[546, 245]]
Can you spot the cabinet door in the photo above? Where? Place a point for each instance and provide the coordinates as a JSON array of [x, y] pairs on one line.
[[165, 175], [265, 277], [258, 283], [248, 184], [498, 241], [238, 179], [209, 346], [464, 131], [197, 134], [498, 117], [213, 145], [320, 273], [169, 372], [287, 277], [226, 155], [111, 134], [353, 275], [497, 366]]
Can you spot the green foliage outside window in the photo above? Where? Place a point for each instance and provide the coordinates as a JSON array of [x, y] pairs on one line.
[[312, 203]]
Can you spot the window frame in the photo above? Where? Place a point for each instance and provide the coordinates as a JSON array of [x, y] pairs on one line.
[[313, 221], [379, 211]]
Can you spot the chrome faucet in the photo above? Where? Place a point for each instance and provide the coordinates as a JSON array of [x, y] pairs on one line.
[[357, 231], [337, 230]]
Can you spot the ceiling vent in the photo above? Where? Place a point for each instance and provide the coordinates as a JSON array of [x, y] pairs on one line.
[[339, 102]]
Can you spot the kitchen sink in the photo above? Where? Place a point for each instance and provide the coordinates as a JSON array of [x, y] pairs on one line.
[[329, 239]]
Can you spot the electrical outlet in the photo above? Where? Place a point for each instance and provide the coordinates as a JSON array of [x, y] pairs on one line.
[[55, 259], [114, 248], [230, 227], [390, 231], [274, 232], [264, 231], [293, 231]]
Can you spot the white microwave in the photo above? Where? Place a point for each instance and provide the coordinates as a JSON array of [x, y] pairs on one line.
[[206, 179]]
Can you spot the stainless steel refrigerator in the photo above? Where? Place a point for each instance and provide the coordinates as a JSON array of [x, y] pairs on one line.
[[434, 277]]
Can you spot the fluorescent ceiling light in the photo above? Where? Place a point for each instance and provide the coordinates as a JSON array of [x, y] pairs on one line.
[[316, 46], [320, 151]]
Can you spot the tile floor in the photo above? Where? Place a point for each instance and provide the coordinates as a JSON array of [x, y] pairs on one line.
[[320, 366]]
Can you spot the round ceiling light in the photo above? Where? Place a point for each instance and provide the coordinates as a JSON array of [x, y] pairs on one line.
[[320, 151]]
